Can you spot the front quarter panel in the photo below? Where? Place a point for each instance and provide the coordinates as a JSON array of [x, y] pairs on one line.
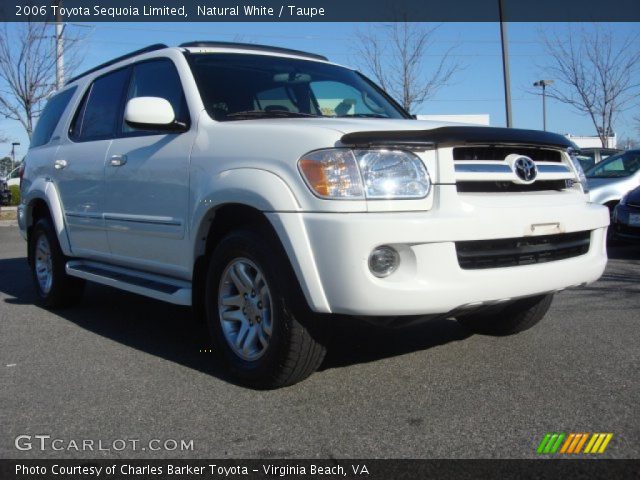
[[263, 146]]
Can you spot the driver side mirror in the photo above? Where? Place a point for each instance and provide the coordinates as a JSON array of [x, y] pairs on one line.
[[152, 113]]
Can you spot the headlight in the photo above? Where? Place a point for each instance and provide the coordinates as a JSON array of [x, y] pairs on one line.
[[573, 155], [371, 174]]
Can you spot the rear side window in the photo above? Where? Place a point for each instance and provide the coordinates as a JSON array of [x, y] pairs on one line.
[[158, 78], [50, 117], [98, 115]]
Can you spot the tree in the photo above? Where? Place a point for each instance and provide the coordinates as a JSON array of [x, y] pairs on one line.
[[27, 70], [627, 143], [395, 55], [595, 73], [5, 166]]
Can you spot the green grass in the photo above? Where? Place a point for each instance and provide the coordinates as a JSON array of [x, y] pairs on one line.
[[15, 194]]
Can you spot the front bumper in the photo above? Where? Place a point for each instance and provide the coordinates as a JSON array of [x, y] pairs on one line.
[[621, 227], [330, 253]]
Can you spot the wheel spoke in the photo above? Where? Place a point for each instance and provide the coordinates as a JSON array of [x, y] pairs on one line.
[[263, 340], [264, 294], [245, 278], [266, 327], [240, 278], [250, 340], [232, 301], [233, 316], [244, 329]]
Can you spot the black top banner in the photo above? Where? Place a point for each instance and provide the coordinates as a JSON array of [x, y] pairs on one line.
[[320, 10]]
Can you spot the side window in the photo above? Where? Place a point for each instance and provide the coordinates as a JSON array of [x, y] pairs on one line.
[[614, 166], [50, 117], [158, 78], [98, 115]]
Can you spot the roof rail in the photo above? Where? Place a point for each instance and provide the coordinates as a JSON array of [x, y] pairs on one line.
[[150, 48], [256, 47]]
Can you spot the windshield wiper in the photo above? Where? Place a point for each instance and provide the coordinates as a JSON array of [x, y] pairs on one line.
[[363, 115], [266, 114]]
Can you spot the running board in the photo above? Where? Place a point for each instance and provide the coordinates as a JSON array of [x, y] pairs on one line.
[[150, 285]]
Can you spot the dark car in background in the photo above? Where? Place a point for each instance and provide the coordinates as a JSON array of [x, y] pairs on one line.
[[5, 193], [626, 217], [588, 157]]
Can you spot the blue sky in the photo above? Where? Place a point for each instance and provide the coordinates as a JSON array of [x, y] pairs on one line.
[[476, 89]]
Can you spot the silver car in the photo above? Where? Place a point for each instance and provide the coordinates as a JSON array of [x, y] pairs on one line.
[[612, 178]]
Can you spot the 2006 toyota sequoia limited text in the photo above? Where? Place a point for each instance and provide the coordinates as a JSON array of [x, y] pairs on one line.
[[270, 188]]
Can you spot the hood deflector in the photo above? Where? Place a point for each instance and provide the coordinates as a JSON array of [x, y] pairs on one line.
[[454, 136]]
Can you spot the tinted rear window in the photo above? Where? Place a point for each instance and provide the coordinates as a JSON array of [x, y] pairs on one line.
[[50, 117]]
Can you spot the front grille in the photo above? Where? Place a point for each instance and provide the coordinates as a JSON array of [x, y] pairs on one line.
[[510, 187], [512, 252], [500, 153]]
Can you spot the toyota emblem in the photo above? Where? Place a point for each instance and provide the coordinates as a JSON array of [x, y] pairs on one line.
[[525, 169]]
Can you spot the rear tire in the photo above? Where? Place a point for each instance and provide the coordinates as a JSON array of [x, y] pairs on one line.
[[513, 318], [257, 315], [54, 288]]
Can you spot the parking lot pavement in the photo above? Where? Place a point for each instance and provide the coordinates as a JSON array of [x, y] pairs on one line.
[[120, 366]]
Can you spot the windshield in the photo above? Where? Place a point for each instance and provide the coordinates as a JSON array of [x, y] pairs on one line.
[[616, 166], [241, 86]]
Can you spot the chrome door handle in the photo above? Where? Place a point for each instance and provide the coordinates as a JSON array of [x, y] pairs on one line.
[[117, 160], [59, 164]]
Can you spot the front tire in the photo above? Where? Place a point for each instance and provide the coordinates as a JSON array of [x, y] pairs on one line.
[[54, 288], [257, 314], [513, 318]]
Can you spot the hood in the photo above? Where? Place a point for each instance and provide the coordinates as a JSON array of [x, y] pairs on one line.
[[350, 125], [374, 131]]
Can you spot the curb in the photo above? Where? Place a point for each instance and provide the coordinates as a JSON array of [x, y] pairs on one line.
[[8, 223]]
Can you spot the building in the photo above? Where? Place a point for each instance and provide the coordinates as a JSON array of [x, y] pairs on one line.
[[592, 141]]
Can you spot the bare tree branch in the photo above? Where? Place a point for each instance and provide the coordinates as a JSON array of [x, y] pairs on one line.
[[395, 55], [27, 70], [595, 73]]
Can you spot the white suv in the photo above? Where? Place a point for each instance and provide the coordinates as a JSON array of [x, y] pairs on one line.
[[269, 188]]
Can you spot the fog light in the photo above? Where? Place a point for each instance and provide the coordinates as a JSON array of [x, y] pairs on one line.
[[383, 261]]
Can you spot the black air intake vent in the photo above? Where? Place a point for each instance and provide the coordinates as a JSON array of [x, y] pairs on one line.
[[512, 252]]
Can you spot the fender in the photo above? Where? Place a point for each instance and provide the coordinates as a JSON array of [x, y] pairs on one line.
[[273, 197], [45, 189], [238, 186]]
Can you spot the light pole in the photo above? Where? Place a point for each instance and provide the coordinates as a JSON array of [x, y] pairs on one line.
[[543, 84], [505, 64], [59, 49], [13, 154]]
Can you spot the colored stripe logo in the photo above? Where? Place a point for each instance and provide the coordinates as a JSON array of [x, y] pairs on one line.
[[573, 443]]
